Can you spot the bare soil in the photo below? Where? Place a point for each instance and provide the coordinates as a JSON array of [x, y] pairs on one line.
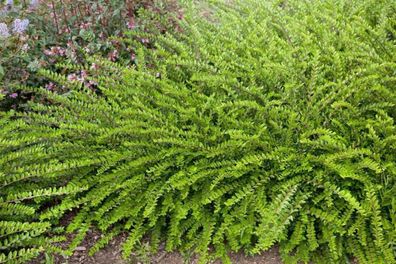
[[112, 254]]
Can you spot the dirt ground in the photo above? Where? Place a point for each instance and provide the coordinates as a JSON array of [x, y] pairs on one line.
[[111, 254]]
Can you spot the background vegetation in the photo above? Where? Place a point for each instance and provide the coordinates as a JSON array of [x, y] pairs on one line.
[[67, 31]]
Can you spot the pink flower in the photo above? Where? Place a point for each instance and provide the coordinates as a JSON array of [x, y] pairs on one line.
[[131, 23], [85, 25], [55, 51], [83, 75], [48, 52], [72, 77], [90, 84], [50, 86], [94, 66], [60, 51], [25, 47], [113, 55]]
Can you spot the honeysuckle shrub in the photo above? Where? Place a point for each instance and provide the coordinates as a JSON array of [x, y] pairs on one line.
[[266, 122], [37, 34]]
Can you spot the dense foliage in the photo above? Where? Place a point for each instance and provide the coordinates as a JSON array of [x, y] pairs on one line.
[[266, 122]]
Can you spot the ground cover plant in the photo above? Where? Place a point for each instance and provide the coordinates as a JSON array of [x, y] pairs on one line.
[[264, 122]]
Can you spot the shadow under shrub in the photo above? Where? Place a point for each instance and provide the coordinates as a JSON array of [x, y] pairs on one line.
[[268, 124]]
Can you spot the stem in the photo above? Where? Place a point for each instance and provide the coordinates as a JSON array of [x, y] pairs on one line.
[[76, 13], [65, 17], [55, 16]]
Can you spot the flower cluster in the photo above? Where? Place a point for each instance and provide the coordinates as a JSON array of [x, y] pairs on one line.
[[19, 26], [4, 32], [82, 77], [13, 95], [55, 51], [34, 3], [9, 5]]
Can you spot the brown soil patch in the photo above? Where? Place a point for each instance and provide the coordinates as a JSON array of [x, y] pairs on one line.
[[112, 254]]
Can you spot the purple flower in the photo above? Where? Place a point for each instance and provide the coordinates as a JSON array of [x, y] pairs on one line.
[[34, 3], [20, 25], [7, 7], [13, 95], [4, 32]]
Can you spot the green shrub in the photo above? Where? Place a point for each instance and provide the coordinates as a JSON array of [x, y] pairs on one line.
[[266, 122]]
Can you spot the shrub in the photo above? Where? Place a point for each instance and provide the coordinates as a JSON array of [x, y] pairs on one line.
[[68, 31], [266, 122]]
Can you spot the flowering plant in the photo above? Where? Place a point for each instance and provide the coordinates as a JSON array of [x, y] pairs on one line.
[[41, 33]]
